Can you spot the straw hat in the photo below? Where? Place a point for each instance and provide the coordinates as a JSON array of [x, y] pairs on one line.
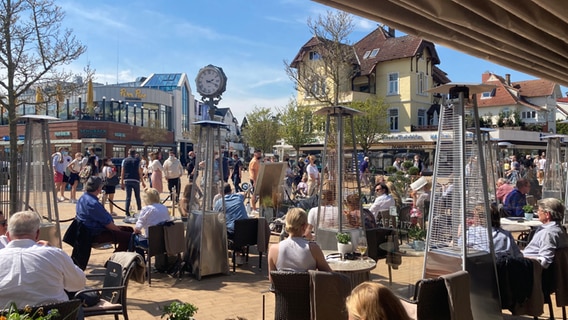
[[418, 184]]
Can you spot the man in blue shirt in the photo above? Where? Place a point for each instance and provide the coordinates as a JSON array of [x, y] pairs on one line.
[[234, 208], [97, 220], [517, 198]]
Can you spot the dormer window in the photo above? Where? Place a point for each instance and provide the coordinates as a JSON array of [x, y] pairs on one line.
[[488, 94], [366, 55], [314, 55], [374, 52]]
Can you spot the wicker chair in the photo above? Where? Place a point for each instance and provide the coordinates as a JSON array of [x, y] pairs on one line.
[[328, 291], [292, 290]]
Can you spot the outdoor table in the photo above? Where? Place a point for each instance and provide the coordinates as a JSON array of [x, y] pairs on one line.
[[519, 224], [358, 270]]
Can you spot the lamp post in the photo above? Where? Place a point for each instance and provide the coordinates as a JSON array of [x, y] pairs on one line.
[[104, 107], [134, 109], [126, 113], [111, 108], [67, 103], [142, 115], [81, 106], [119, 110]]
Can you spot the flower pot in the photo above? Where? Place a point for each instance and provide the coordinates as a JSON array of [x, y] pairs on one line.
[[419, 245], [344, 248]]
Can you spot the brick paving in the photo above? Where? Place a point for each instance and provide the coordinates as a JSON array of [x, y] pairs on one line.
[[238, 294]]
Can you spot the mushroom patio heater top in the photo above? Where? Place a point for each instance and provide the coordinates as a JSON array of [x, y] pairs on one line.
[[339, 183], [459, 234], [36, 179]]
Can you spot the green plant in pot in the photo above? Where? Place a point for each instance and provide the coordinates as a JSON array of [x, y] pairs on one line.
[[528, 209], [418, 234], [344, 244], [179, 311]]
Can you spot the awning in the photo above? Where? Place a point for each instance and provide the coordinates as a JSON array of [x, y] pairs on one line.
[[528, 36]]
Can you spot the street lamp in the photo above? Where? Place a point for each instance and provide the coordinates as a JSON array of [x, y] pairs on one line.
[[104, 107], [142, 115], [119, 110], [134, 109], [111, 108], [67, 103], [126, 114]]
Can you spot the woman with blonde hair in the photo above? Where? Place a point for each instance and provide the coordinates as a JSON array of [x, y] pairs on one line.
[[156, 168], [313, 176], [373, 301], [152, 214], [296, 253]]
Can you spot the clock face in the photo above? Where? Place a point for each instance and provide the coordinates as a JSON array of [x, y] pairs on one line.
[[210, 81]]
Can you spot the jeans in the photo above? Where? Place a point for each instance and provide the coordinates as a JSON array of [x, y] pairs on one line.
[[175, 182], [237, 183], [132, 186]]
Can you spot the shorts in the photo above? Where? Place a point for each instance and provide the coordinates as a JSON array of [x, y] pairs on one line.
[[73, 177], [109, 189], [58, 177]]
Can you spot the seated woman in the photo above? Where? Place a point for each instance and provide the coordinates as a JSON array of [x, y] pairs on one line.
[[296, 253], [373, 301], [152, 214], [189, 201], [503, 241], [327, 216], [353, 213]]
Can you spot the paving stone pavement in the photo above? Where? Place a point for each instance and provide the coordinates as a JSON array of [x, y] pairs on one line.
[[241, 294]]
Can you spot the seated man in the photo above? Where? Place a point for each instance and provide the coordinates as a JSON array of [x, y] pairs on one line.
[[383, 201], [234, 208], [503, 189], [514, 202], [97, 220], [550, 236], [3, 228], [31, 274]]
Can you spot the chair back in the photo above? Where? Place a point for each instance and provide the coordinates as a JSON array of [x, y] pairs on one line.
[[292, 290], [378, 246], [246, 233], [113, 278], [156, 243], [404, 217], [431, 299], [174, 238], [457, 286], [560, 274], [328, 291]]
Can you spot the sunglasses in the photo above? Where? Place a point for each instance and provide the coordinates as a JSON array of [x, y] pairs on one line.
[[4, 223]]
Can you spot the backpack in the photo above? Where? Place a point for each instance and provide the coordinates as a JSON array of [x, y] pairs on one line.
[[84, 174]]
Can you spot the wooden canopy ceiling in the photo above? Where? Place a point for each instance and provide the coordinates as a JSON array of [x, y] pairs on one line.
[[530, 36]]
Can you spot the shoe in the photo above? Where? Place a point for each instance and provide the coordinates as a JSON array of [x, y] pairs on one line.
[[130, 220], [114, 214], [60, 199]]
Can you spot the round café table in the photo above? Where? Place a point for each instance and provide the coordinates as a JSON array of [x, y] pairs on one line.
[[358, 271]]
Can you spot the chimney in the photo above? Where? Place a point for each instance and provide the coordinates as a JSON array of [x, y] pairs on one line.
[[508, 79], [391, 32]]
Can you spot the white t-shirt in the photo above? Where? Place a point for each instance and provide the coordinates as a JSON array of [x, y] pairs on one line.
[[328, 217], [312, 170]]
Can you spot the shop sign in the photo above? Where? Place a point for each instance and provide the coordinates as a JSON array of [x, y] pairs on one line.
[[92, 133], [62, 133], [136, 94], [403, 137], [120, 134]]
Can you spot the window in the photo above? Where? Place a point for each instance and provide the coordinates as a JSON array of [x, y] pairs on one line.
[[488, 94], [118, 151], [422, 83], [421, 117], [374, 52], [392, 83], [366, 55], [317, 88], [393, 119], [314, 55], [528, 115]]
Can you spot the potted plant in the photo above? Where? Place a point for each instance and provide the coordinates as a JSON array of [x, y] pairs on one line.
[[418, 234], [179, 311], [344, 243], [528, 209]]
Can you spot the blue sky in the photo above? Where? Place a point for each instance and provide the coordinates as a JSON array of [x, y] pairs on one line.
[[249, 39]]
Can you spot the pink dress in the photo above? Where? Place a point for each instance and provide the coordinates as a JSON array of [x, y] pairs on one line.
[[157, 176]]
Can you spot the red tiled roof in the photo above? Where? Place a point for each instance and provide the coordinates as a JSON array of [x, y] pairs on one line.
[[535, 88], [515, 93]]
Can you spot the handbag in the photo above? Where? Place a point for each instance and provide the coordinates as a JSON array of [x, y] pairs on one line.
[[112, 181]]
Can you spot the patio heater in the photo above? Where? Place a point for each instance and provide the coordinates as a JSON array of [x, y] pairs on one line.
[[459, 234], [36, 181], [490, 152], [554, 182], [206, 230], [337, 180]]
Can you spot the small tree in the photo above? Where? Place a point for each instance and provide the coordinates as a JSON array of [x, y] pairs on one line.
[[32, 48], [262, 129], [295, 128], [372, 124], [153, 133]]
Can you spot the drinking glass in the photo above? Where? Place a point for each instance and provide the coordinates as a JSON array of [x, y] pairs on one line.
[[362, 246]]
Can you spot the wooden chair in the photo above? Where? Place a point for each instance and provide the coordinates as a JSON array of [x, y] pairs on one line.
[[67, 309], [292, 290], [114, 289], [382, 245], [555, 280], [246, 235], [434, 299]]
